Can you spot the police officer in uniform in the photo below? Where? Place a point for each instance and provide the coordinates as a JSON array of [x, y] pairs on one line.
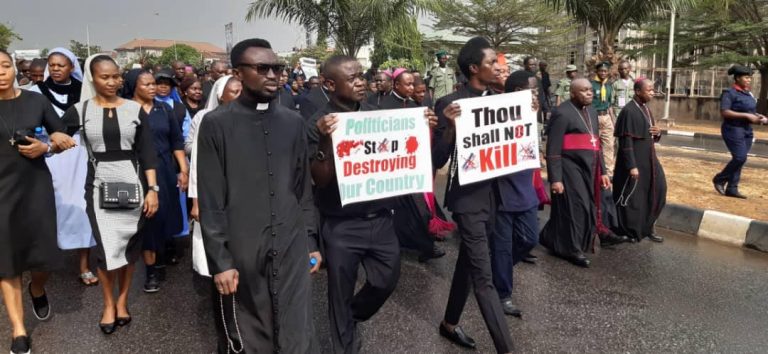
[[739, 110], [442, 79]]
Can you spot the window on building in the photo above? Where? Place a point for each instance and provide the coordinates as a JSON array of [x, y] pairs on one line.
[[594, 48], [572, 57]]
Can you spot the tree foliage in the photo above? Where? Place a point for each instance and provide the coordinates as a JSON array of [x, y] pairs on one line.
[[81, 49], [512, 26], [315, 52], [401, 45], [7, 36], [714, 33], [351, 24], [608, 17], [181, 52]]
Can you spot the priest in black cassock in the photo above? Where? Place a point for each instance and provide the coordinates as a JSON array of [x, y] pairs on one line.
[[256, 213], [356, 234], [412, 214], [641, 187], [315, 99], [473, 206], [576, 173]]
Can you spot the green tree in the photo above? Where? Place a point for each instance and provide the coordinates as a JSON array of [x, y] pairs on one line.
[[608, 17], [44, 52], [350, 23], [715, 33], [7, 35], [400, 46], [512, 26], [181, 52], [81, 49], [315, 52]]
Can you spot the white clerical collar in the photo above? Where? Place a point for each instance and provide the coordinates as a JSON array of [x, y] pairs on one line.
[[398, 96], [262, 106]]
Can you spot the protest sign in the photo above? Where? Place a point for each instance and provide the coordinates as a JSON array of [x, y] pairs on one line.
[[496, 135], [381, 154]]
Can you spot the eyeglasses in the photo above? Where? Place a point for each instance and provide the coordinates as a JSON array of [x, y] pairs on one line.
[[263, 69]]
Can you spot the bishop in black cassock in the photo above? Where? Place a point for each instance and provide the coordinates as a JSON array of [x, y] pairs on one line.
[[574, 159], [256, 211], [640, 189]]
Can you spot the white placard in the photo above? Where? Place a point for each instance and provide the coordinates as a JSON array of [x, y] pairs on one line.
[[496, 135], [381, 154]]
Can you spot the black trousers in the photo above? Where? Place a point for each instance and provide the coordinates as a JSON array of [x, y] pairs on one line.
[[349, 243], [473, 268]]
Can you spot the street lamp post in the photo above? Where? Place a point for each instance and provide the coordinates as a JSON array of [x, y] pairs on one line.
[[670, 55]]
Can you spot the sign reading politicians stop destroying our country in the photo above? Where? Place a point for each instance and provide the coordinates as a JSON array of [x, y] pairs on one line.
[[381, 154], [496, 135]]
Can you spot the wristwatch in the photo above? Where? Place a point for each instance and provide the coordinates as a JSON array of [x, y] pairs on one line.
[[154, 188]]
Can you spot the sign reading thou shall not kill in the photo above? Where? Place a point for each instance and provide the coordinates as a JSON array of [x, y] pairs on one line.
[[496, 135], [381, 154]]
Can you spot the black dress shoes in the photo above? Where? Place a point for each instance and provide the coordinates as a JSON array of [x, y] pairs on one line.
[[108, 328], [510, 309], [123, 321], [719, 187], [457, 336], [612, 239], [435, 253], [530, 259], [735, 194], [655, 238], [580, 260]]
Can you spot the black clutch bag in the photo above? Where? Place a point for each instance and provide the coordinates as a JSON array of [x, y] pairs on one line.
[[118, 195]]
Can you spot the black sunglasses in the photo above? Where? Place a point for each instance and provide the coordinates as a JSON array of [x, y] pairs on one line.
[[263, 69]]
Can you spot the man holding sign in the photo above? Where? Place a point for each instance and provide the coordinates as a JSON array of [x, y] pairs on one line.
[[357, 225], [472, 205]]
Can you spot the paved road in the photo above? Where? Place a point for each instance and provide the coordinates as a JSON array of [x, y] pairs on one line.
[[685, 295], [714, 144]]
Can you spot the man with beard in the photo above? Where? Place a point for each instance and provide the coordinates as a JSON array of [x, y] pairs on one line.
[[255, 198], [641, 187], [356, 234], [576, 172], [473, 206]]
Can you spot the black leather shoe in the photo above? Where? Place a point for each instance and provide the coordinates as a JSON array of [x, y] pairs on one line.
[[123, 321], [580, 260], [655, 238], [530, 259], [735, 194], [719, 186], [612, 239], [21, 345], [40, 306], [457, 336], [108, 328], [435, 253], [510, 309]]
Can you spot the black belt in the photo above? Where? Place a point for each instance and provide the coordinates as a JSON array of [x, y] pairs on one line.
[[369, 216]]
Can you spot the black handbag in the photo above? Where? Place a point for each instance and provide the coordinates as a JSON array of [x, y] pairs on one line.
[[112, 195]]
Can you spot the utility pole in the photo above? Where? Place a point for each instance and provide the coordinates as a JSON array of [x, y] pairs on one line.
[[670, 56], [88, 39]]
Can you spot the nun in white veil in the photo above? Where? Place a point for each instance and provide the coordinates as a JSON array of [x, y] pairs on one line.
[[69, 169], [224, 90]]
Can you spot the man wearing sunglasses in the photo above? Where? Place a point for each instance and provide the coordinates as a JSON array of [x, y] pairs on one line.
[[257, 213], [356, 234]]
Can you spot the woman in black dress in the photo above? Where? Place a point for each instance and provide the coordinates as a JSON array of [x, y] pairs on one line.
[[169, 146], [192, 95], [28, 210], [122, 147]]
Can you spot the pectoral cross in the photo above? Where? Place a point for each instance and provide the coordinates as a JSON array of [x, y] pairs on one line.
[[12, 141], [593, 141]]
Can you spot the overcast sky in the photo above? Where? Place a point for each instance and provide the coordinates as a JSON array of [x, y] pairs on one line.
[[52, 23]]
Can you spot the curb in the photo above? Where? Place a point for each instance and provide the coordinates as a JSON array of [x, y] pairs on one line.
[[714, 225]]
